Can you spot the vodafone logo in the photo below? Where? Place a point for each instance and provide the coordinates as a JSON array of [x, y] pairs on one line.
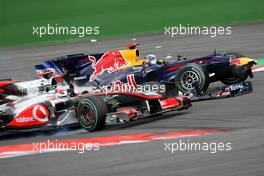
[[37, 114], [40, 113]]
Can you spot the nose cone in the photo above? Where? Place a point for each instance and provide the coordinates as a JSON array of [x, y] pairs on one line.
[[244, 61], [247, 60]]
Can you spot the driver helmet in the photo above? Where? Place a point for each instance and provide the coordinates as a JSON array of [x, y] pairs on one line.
[[152, 58], [62, 90]]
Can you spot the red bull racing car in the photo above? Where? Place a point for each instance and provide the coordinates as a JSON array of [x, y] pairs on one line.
[[44, 104], [121, 67]]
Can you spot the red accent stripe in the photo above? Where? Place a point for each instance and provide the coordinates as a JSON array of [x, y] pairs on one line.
[[147, 97], [256, 67], [2, 83], [174, 68], [84, 60], [169, 103], [129, 80], [26, 149], [134, 81], [194, 62]]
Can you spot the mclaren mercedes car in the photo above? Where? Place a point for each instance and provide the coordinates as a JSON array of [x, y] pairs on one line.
[[42, 103]]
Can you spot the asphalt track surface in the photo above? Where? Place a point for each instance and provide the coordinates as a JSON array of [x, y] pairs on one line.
[[242, 118]]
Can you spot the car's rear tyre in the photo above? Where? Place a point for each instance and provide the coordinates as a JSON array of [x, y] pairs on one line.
[[91, 113], [189, 75]]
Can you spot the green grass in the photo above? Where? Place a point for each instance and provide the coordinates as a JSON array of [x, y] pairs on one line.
[[260, 62], [117, 17]]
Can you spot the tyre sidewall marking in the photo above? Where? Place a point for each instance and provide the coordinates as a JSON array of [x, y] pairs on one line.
[[91, 103]]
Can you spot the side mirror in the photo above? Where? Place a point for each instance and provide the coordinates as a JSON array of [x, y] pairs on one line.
[[47, 76], [53, 81]]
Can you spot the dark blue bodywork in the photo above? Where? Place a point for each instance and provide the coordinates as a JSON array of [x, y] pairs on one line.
[[78, 68]]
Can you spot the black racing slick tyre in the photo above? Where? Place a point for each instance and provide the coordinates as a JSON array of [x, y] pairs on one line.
[[91, 113], [190, 77]]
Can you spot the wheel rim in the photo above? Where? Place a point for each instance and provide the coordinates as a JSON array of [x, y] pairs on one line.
[[87, 116], [188, 79]]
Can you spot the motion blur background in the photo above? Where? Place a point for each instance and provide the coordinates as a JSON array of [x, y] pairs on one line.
[[117, 17]]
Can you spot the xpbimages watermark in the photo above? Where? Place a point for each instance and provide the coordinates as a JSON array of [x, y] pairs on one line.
[[80, 31], [212, 31], [211, 147], [50, 146]]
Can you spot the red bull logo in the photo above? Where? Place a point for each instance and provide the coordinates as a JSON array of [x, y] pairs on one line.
[[110, 62], [234, 61]]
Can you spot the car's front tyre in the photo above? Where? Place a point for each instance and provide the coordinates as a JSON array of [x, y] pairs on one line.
[[189, 76], [91, 113]]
